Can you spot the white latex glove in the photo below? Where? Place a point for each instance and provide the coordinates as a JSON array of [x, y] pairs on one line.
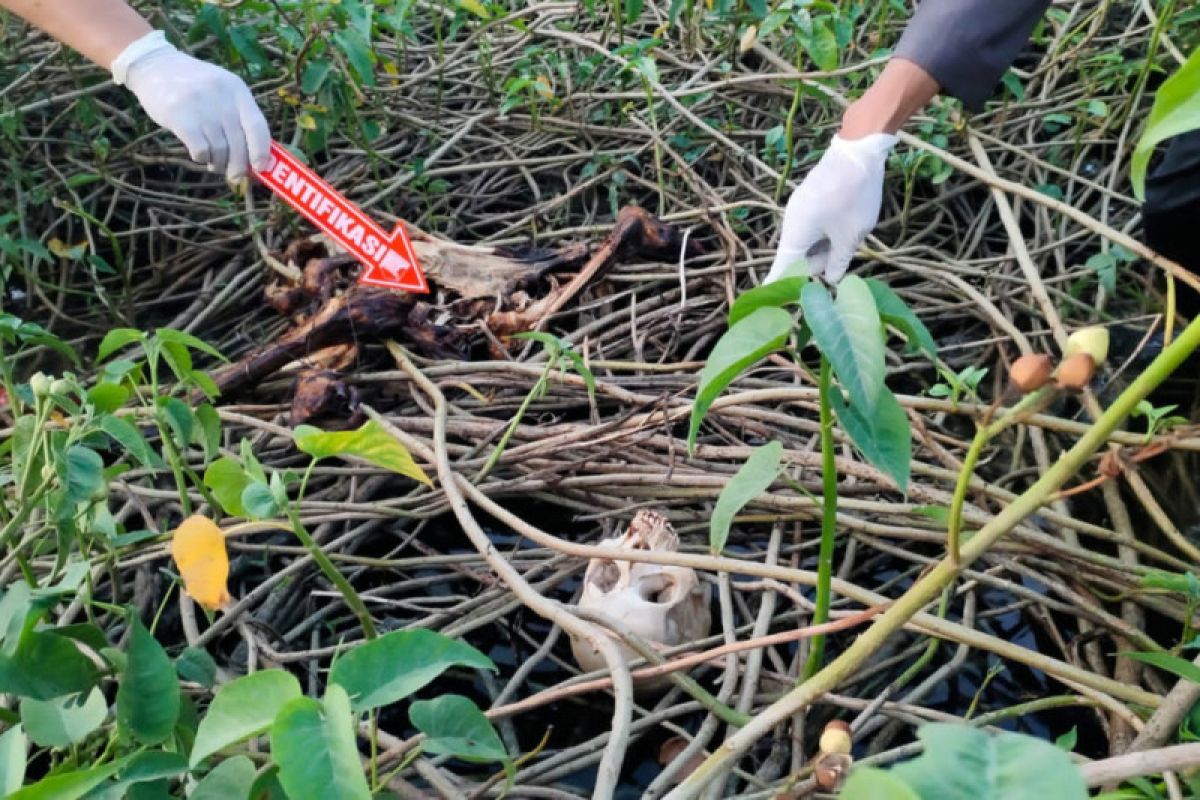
[[210, 109], [834, 208]]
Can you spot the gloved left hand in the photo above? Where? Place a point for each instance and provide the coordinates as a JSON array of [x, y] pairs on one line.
[[210, 109]]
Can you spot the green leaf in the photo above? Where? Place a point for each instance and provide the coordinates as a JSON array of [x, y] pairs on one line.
[[393, 666], [108, 397], [146, 767], [1176, 110], [754, 337], [870, 783], [1165, 661], [371, 443], [1105, 267], [208, 434], [116, 339], [243, 708], [63, 721], [783, 292], [45, 666], [245, 40], [148, 699], [85, 474], [752, 479], [188, 340], [884, 436], [14, 748], [232, 778], [960, 761], [178, 417], [124, 434], [227, 480], [68, 785], [258, 501], [822, 46], [454, 726], [895, 312], [196, 665], [358, 52], [313, 744], [849, 334], [1068, 740], [316, 71]]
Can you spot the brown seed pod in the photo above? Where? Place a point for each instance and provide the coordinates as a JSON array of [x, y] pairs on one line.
[[830, 769], [1075, 372], [1030, 373], [836, 738]]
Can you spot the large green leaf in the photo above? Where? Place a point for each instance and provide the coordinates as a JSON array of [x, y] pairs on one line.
[[124, 434], [1176, 110], [68, 785], [752, 479], [960, 761], [370, 443], [783, 292], [232, 778], [884, 436], [243, 708], [44, 666], [1173, 664], [849, 333], [146, 767], [454, 726], [313, 743], [85, 473], [869, 783], [14, 747], [227, 480], [895, 312], [63, 721], [395, 665], [148, 699], [759, 333]]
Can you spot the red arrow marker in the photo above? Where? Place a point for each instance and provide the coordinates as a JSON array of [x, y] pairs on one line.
[[388, 261]]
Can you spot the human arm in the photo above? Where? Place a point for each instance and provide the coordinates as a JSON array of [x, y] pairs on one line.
[[210, 109], [960, 47]]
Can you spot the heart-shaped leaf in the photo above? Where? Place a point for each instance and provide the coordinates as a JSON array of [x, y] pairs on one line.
[[454, 726], [313, 744], [393, 666], [243, 708]]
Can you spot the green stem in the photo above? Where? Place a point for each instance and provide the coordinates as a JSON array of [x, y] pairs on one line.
[[1029, 404], [934, 581], [829, 485], [536, 391], [788, 128], [327, 567]]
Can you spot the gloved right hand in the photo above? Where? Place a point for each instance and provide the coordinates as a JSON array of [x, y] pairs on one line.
[[210, 109], [834, 208]]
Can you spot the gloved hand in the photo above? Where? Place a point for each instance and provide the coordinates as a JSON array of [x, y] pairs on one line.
[[834, 208], [210, 109]]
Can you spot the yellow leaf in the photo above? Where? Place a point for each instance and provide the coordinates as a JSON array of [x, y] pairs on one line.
[[63, 250], [475, 7], [306, 122], [198, 548], [749, 37], [542, 85]]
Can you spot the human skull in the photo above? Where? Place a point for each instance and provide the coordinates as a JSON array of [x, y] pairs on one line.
[[662, 604]]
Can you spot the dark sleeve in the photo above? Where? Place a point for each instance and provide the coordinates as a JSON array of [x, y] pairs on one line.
[[966, 45]]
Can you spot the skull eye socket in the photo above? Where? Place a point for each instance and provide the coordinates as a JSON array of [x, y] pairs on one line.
[[657, 589], [606, 576]]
